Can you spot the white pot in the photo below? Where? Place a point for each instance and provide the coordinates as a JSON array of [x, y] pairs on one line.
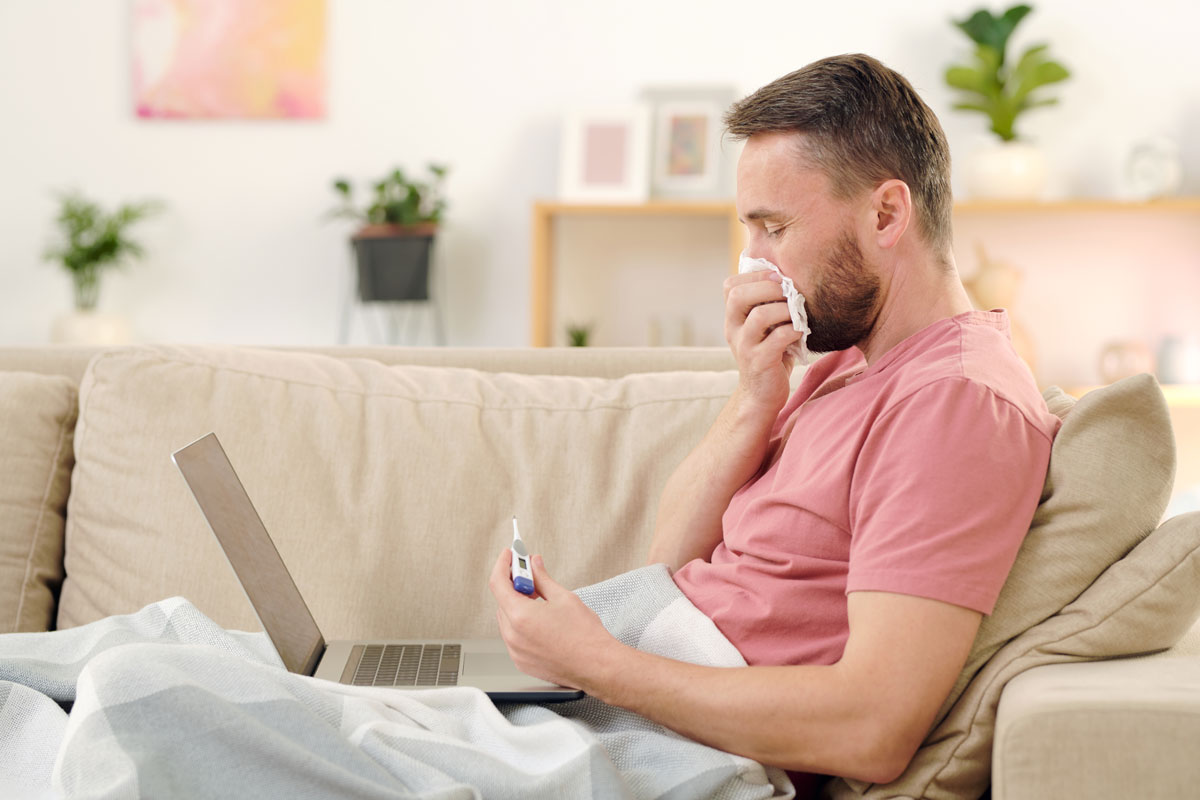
[[90, 328], [1006, 171]]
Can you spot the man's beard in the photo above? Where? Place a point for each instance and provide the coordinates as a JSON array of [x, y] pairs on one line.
[[842, 308]]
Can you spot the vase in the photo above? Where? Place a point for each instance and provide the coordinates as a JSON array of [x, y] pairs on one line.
[[1006, 171], [90, 328], [1179, 360], [1124, 359]]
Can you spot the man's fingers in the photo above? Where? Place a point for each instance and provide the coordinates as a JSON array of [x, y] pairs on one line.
[[761, 322], [547, 587], [745, 278], [500, 581], [753, 292], [760, 316]]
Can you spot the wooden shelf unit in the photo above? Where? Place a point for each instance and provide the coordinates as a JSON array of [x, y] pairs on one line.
[[547, 212]]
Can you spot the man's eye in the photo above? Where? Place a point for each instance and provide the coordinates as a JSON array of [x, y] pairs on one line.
[[773, 233]]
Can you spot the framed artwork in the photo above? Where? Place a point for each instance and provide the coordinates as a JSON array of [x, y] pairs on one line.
[[227, 59], [688, 157], [606, 155]]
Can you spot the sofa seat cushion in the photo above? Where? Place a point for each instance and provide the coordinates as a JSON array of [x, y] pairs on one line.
[[1111, 729], [37, 421], [389, 491]]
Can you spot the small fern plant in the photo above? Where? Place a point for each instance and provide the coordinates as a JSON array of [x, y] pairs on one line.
[[92, 240]]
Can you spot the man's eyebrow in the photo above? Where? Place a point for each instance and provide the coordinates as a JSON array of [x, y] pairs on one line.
[[761, 213]]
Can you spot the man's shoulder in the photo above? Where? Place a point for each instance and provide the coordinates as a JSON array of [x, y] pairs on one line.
[[972, 356]]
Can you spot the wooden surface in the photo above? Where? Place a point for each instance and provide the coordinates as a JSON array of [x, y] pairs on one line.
[[543, 268], [1187, 205], [1178, 395], [543, 272]]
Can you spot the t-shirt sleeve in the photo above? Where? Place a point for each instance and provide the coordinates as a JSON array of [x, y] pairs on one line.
[[944, 490]]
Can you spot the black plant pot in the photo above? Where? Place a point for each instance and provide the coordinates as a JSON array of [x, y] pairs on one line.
[[393, 262]]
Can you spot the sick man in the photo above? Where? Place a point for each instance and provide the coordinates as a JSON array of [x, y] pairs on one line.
[[849, 536]]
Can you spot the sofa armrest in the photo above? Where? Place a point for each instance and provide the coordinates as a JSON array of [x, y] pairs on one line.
[[1102, 729]]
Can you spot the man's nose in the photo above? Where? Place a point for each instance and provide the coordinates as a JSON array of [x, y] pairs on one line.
[[756, 248]]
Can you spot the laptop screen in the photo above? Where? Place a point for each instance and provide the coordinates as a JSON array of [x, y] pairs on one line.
[[251, 553]]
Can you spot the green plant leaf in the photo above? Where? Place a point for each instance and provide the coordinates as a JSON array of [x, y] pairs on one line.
[[1049, 101], [399, 200], [970, 79], [986, 29], [986, 109], [980, 26], [1034, 71], [92, 239]]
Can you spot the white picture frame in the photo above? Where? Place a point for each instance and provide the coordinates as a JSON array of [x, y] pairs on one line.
[[605, 156], [689, 157]]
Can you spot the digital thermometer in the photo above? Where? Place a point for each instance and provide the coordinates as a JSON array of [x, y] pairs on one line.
[[522, 575]]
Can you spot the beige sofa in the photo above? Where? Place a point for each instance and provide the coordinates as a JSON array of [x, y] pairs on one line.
[[387, 477]]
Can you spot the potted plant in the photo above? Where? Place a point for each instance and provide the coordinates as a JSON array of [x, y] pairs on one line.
[[994, 86], [578, 335], [393, 246], [91, 242]]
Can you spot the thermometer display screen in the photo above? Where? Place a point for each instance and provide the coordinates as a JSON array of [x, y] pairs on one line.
[[521, 561]]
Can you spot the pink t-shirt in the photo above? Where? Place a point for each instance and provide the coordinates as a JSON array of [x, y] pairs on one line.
[[918, 475]]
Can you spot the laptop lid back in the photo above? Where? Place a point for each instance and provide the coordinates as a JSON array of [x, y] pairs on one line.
[[251, 553]]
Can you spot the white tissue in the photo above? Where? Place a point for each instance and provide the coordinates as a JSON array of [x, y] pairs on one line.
[[795, 304]]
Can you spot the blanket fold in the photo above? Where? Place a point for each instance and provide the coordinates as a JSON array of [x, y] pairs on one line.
[[167, 703]]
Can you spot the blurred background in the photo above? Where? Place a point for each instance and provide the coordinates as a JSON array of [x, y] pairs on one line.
[[1101, 267]]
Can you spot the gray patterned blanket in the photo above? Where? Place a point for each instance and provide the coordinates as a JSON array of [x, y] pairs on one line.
[[164, 703]]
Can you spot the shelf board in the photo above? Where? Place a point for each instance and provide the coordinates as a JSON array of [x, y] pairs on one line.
[[1078, 205], [713, 208], [1178, 395], [726, 207]]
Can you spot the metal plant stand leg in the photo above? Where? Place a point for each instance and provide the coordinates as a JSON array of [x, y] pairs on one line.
[[349, 295], [439, 333], [393, 319]]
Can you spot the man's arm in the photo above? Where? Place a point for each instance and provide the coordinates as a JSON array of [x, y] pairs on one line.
[[758, 329], [863, 717]]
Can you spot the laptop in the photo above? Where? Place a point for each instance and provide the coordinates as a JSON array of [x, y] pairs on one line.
[[403, 664]]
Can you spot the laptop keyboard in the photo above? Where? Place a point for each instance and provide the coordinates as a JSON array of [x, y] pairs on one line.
[[406, 664]]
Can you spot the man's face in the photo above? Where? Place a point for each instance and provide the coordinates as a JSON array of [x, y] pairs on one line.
[[794, 222]]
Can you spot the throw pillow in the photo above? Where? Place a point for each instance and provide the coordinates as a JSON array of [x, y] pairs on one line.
[[1110, 475], [37, 418]]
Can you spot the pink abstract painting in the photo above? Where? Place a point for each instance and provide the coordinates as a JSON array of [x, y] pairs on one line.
[[229, 59]]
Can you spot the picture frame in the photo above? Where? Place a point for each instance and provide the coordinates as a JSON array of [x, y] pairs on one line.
[[605, 155], [690, 159]]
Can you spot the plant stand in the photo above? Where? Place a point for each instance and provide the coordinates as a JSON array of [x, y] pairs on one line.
[[391, 322]]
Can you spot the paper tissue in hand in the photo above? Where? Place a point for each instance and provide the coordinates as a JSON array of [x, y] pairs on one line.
[[795, 304]]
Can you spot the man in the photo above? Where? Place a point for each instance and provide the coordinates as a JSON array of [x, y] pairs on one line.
[[846, 539]]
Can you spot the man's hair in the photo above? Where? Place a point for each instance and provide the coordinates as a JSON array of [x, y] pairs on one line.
[[863, 124]]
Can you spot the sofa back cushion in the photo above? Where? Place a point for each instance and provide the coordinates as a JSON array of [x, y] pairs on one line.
[[389, 491], [1110, 475], [37, 420]]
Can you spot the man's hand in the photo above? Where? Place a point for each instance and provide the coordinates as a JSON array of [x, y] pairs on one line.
[[758, 327], [551, 635]]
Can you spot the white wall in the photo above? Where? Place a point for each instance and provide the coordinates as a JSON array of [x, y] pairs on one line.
[[242, 255]]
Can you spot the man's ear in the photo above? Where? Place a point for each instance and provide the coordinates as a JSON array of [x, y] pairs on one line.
[[891, 212]]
